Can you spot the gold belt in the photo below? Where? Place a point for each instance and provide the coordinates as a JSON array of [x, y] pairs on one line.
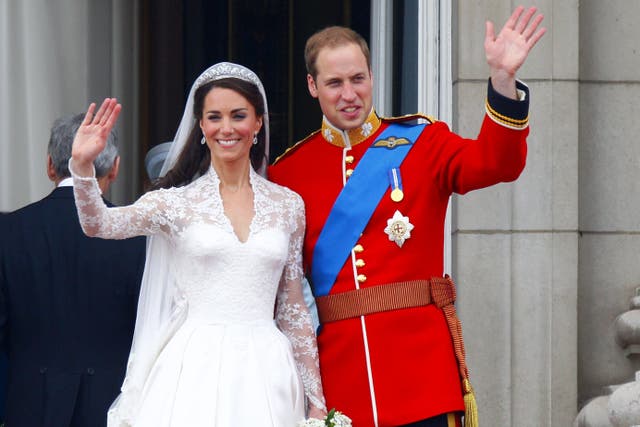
[[440, 291]]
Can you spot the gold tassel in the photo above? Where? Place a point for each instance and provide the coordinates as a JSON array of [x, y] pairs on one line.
[[470, 406]]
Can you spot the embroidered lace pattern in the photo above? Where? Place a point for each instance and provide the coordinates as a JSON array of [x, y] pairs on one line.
[[207, 249]]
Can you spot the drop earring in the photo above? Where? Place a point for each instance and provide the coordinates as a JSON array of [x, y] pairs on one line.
[[255, 138], [203, 141]]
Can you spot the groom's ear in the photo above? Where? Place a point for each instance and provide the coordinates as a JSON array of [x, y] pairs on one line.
[[311, 85]]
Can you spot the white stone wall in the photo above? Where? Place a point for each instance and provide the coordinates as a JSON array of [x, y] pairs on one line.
[[515, 246], [609, 202]]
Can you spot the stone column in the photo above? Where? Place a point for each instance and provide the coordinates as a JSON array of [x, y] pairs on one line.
[[515, 245], [619, 405], [609, 155]]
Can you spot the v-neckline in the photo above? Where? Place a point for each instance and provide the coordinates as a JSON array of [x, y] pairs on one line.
[[227, 220], [232, 228]]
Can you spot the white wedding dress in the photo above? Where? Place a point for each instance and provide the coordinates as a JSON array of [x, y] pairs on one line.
[[245, 353]]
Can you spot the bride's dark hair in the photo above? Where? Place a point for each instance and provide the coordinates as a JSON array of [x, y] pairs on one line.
[[195, 158]]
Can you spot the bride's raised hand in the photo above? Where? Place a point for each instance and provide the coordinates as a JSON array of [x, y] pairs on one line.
[[92, 135]]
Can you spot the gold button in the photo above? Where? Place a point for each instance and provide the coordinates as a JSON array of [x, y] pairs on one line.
[[360, 263], [349, 172], [358, 248], [348, 159], [362, 278]]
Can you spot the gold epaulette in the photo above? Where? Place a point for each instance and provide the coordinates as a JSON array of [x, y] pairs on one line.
[[409, 117], [295, 146]]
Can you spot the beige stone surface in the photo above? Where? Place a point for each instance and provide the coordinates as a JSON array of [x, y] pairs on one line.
[[609, 35], [517, 302], [609, 156], [609, 273]]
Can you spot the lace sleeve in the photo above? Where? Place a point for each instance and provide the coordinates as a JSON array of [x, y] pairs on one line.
[[145, 217], [293, 317]]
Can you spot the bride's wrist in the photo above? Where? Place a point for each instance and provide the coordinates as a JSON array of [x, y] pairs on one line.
[[81, 169], [318, 413]]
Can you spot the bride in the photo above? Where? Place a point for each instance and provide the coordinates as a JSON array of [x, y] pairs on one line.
[[223, 337]]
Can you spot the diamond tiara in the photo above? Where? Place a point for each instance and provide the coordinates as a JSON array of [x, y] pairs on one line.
[[224, 70]]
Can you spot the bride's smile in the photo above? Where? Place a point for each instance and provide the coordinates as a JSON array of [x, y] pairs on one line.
[[229, 124]]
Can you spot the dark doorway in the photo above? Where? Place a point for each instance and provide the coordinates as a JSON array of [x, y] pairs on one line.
[[182, 38]]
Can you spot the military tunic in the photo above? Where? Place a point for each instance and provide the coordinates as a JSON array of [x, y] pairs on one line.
[[395, 367]]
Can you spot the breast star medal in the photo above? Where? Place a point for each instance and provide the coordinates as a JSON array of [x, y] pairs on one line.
[[398, 228]]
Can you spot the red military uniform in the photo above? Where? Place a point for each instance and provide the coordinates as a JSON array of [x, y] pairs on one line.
[[395, 367]]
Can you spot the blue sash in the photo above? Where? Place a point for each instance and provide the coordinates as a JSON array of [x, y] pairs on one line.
[[357, 201]]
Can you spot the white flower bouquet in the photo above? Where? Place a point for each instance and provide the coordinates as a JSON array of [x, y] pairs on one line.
[[333, 419]]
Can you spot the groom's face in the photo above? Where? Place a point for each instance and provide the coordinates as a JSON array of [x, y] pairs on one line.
[[343, 85]]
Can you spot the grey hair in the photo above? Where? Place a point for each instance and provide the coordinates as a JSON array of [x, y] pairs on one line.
[[62, 133]]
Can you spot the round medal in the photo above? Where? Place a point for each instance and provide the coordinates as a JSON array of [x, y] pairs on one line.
[[397, 195]]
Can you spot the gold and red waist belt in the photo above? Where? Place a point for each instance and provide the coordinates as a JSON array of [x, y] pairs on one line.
[[439, 291]]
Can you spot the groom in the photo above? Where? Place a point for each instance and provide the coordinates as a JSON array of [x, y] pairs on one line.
[[376, 192]]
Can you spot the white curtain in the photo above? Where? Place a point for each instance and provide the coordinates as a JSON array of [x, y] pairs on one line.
[[56, 56]]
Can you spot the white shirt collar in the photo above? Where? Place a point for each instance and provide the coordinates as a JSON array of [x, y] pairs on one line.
[[67, 182]]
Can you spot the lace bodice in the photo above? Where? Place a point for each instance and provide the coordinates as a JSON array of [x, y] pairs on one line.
[[222, 278]]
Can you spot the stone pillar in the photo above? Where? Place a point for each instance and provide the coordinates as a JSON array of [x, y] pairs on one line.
[[620, 404], [515, 245], [609, 170]]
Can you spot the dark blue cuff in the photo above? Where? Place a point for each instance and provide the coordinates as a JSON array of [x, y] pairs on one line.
[[506, 111]]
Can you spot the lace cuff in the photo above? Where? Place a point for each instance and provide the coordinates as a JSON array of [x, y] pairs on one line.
[[293, 317], [294, 320], [88, 201], [145, 217]]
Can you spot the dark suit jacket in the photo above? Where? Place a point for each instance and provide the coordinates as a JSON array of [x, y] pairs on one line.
[[67, 313]]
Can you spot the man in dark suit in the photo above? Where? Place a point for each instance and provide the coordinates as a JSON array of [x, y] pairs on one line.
[[67, 301]]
